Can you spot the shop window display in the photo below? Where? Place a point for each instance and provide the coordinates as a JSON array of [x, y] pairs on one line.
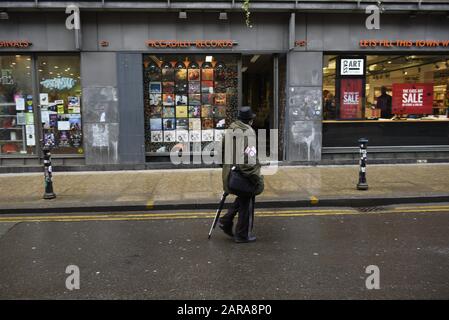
[[60, 103], [17, 109], [392, 87], [188, 99]]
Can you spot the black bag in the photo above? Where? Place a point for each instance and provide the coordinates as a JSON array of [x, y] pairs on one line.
[[240, 185]]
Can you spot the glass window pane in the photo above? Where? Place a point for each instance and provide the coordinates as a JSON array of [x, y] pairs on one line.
[[60, 101], [17, 112], [188, 98]]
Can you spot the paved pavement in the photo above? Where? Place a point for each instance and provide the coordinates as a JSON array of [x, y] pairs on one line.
[[300, 253], [201, 188]]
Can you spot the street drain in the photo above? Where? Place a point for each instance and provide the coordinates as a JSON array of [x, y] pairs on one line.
[[370, 209]]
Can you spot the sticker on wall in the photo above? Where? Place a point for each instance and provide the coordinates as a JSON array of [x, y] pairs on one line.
[[20, 103]]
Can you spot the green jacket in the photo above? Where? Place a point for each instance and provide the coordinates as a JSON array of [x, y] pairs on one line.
[[249, 170]]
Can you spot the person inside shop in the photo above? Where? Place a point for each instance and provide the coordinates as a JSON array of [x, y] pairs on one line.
[[330, 110], [249, 169], [384, 103]]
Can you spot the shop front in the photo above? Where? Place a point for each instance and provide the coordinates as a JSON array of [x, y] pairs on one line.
[[139, 82]]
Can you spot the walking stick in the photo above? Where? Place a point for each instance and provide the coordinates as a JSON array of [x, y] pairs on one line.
[[217, 215]]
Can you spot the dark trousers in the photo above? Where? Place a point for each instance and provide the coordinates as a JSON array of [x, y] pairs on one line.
[[245, 208]]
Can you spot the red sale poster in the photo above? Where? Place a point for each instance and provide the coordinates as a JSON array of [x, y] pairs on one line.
[[412, 98], [351, 98]]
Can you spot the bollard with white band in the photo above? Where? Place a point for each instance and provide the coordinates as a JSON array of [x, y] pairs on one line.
[[362, 185]]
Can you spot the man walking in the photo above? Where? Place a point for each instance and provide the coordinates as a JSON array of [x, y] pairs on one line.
[[243, 205]]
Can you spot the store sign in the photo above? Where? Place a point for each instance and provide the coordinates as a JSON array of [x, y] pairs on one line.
[[351, 91], [351, 67], [412, 98], [15, 43], [59, 83], [166, 44], [385, 43]]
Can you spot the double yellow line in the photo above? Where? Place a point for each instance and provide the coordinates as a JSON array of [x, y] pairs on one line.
[[202, 215]]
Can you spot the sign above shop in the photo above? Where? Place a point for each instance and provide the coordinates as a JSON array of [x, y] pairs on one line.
[[15, 43], [385, 43], [166, 44], [351, 67]]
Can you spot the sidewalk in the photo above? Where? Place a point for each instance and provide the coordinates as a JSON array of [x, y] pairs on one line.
[[201, 188]]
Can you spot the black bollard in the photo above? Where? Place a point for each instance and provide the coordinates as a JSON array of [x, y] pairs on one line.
[[49, 194], [362, 185]]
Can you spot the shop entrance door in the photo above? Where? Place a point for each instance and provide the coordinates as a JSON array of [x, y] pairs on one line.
[[259, 89]]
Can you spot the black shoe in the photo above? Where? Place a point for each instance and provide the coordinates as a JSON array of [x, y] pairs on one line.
[[226, 229], [245, 240]]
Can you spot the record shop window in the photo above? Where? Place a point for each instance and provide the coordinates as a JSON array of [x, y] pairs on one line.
[[17, 110], [60, 102], [188, 98], [386, 87]]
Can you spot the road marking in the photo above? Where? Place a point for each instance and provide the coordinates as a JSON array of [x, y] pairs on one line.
[[202, 215]]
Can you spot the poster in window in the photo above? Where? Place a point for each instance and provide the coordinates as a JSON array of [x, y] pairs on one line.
[[194, 74], [194, 111], [207, 111], [168, 99], [219, 134], [156, 124], [156, 136], [169, 124], [220, 111], [155, 111], [194, 99], [168, 74], [75, 122], [220, 99], [194, 87], [412, 98], [207, 74], [63, 140], [182, 135], [351, 92], [207, 98], [155, 87], [207, 123], [207, 135], [195, 135], [168, 87], [181, 100], [219, 123], [75, 139], [181, 112], [168, 112], [49, 139], [181, 87], [181, 75], [170, 136], [182, 124], [155, 99], [194, 124], [207, 87]]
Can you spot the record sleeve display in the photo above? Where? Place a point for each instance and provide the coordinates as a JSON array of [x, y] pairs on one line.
[[188, 100]]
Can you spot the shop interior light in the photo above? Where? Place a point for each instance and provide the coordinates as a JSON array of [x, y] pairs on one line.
[[244, 69], [437, 66], [209, 58], [223, 16], [182, 15], [254, 58], [4, 15]]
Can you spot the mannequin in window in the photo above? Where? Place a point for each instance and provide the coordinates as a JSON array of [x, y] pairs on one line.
[[384, 103]]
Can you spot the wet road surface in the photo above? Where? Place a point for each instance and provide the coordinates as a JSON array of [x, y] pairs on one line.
[[299, 254]]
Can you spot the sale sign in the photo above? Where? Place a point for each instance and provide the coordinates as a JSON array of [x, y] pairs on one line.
[[351, 92], [412, 98]]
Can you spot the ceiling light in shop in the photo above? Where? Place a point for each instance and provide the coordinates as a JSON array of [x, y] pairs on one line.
[[389, 62], [244, 69], [209, 58], [4, 15], [372, 67], [254, 58], [223, 16]]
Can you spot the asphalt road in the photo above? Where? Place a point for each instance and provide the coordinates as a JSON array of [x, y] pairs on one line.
[[299, 254]]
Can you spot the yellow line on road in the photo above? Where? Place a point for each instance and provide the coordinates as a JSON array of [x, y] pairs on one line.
[[198, 215]]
